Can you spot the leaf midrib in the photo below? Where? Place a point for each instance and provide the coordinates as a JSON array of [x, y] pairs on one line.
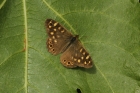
[[25, 45]]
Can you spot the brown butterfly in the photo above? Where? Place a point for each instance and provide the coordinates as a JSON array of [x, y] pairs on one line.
[[62, 41]]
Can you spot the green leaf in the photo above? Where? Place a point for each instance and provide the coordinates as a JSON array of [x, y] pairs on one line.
[[108, 29]]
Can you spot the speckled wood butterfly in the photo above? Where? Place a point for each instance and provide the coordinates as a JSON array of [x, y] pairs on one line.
[[62, 41]]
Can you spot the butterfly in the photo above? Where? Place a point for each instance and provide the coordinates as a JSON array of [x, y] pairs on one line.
[[62, 41]]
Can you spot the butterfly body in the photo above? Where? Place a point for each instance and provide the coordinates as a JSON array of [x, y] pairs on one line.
[[62, 41]]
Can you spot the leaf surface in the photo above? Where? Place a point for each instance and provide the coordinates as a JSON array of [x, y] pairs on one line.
[[108, 29]]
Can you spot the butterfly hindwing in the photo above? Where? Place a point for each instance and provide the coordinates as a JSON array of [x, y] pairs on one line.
[[75, 56]]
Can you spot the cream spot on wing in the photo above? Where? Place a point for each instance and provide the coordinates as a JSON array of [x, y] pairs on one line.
[[85, 62], [52, 33], [75, 59], [54, 29], [82, 58], [55, 24], [53, 37], [50, 22], [81, 50], [76, 54], [89, 62], [79, 61], [72, 57], [55, 40], [84, 53], [72, 63], [57, 36], [62, 31], [59, 27], [50, 26], [87, 57]]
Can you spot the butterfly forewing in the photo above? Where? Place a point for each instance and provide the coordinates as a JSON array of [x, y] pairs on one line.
[[59, 37], [62, 41]]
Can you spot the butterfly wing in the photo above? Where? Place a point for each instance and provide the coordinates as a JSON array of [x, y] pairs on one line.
[[59, 37], [75, 56]]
